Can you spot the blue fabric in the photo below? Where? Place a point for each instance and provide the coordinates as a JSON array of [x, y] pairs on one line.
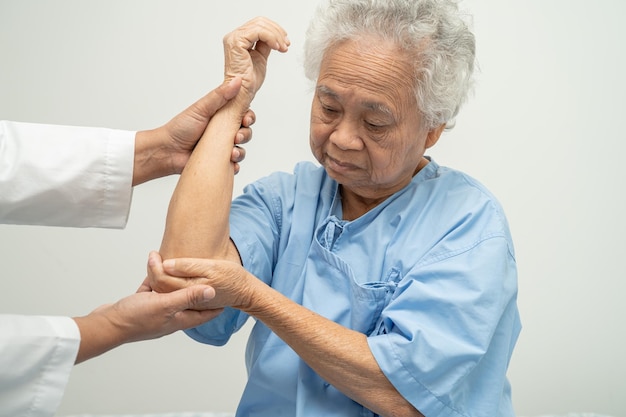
[[429, 275]]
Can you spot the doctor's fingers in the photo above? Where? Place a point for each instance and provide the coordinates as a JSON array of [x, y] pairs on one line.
[[178, 310], [145, 285], [248, 119], [192, 318], [238, 155], [215, 99], [195, 297]]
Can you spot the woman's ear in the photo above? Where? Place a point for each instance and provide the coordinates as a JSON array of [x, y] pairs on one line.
[[434, 135]]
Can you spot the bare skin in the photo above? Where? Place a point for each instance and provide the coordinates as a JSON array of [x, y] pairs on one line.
[[142, 316], [166, 150], [206, 183]]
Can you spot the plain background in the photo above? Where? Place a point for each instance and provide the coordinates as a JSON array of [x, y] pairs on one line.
[[544, 131]]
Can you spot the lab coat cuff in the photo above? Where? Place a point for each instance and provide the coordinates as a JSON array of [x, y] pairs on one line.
[[118, 191]]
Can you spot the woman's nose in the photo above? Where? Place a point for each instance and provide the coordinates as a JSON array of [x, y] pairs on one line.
[[346, 137]]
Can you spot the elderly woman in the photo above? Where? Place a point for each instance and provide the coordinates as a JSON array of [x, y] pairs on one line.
[[382, 283]]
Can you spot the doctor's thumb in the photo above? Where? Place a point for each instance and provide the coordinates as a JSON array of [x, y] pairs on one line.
[[199, 297]]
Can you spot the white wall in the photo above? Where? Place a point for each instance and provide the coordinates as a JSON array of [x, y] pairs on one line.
[[543, 132]]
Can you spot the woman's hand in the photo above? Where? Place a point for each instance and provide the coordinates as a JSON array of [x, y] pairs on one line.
[[233, 285], [247, 48]]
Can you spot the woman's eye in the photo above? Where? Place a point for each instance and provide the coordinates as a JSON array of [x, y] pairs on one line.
[[374, 126]]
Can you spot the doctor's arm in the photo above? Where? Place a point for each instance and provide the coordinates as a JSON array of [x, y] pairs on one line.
[[142, 316], [88, 182], [37, 352]]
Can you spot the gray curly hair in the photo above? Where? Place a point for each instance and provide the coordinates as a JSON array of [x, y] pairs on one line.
[[432, 32]]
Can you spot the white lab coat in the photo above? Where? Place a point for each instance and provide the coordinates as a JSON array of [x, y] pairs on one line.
[[36, 356], [65, 175], [55, 176]]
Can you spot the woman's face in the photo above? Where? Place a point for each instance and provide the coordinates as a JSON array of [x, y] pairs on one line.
[[366, 129]]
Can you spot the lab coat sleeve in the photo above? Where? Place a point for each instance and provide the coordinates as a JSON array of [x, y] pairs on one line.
[[37, 354], [65, 175]]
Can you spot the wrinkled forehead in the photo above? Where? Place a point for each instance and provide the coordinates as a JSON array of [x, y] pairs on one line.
[[368, 64]]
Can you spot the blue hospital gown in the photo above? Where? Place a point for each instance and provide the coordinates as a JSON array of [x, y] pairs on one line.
[[429, 276]]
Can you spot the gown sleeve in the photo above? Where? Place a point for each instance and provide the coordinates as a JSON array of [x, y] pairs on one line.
[[450, 330]]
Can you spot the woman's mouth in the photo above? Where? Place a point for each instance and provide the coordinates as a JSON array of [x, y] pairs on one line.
[[338, 165]]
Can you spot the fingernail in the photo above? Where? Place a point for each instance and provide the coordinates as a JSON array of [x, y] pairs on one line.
[[168, 263], [208, 294]]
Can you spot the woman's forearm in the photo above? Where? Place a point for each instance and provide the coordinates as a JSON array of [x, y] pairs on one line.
[[339, 355], [197, 219]]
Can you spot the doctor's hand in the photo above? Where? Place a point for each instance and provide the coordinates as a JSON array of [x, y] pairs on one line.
[[234, 286], [165, 150], [247, 49], [143, 316]]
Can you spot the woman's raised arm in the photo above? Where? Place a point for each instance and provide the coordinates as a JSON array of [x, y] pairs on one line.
[[197, 219]]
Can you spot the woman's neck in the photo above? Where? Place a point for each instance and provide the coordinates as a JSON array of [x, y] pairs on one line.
[[354, 205]]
